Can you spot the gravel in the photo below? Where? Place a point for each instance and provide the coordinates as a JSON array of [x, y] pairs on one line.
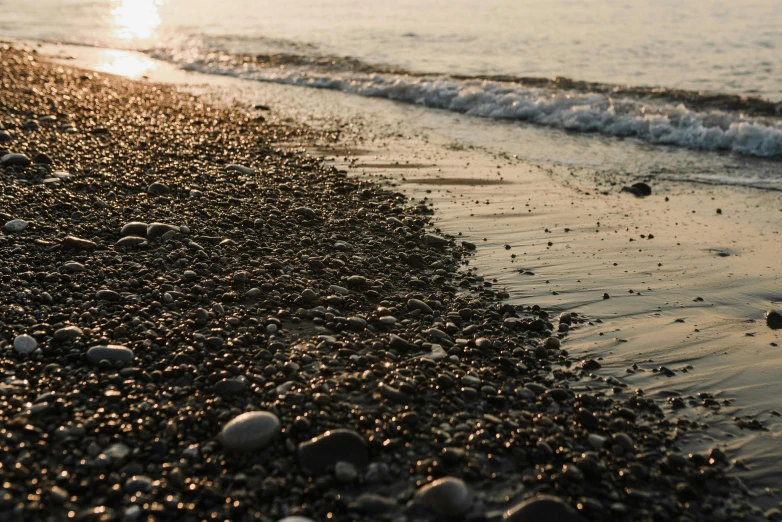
[[318, 313]]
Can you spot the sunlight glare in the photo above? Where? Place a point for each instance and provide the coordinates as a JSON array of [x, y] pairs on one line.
[[136, 19], [124, 63]]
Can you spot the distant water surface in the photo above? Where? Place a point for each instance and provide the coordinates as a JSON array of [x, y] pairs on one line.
[[697, 74]]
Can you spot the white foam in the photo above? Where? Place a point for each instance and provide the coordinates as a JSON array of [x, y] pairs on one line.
[[651, 121]]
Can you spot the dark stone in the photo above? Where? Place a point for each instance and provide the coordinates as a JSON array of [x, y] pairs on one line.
[[134, 228], [639, 190], [77, 243], [774, 319], [156, 230], [324, 451], [14, 160]]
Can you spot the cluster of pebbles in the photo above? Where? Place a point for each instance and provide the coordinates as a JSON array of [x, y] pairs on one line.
[[196, 325]]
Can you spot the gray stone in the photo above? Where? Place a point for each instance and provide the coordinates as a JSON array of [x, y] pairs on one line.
[[250, 431], [445, 496], [25, 344], [324, 451], [68, 334], [241, 169], [15, 226], [309, 295], [112, 353], [117, 451]]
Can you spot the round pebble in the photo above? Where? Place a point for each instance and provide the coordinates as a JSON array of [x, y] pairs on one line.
[[112, 353], [25, 344], [250, 431], [445, 496], [15, 226]]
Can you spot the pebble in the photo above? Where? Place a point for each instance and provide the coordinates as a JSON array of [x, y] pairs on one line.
[[106, 295], [77, 243], [435, 241], [445, 496], [112, 353], [158, 189], [25, 344], [68, 334], [138, 484], [417, 304], [158, 230], [295, 519], [15, 226], [5, 136], [134, 228], [309, 295], [117, 451], [130, 242], [15, 160], [241, 169], [552, 343], [250, 431], [397, 343], [542, 508], [774, 319], [73, 266], [324, 451]]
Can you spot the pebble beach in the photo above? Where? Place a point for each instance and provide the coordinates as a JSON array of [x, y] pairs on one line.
[[197, 323]]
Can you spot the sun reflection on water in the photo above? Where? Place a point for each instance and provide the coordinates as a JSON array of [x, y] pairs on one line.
[[124, 63], [136, 19]]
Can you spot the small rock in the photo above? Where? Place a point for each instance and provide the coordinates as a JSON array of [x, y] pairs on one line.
[[250, 431], [117, 451], [435, 241], [417, 304], [774, 319], [157, 230], [77, 243], [15, 226], [324, 451], [552, 343], [445, 496], [134, 228], [241, 169], [14, 160], [106, 295], [112, 353], [309, 295], [639, 190], [68, 334], [542, 508], [158, 189], [25, 344], [397, 343], [130, 242]]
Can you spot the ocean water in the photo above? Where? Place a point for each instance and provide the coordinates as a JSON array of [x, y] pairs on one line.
[[698, 74]]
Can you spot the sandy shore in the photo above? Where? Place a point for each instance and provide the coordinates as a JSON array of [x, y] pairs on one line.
[[197, 323]]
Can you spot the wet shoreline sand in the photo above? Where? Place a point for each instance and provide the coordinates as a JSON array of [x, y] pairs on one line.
[[269, 282]]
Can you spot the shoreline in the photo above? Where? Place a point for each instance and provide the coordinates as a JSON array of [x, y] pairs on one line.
[[214, 328]]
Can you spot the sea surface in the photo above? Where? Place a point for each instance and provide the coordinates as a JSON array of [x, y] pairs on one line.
[[696, 74]]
